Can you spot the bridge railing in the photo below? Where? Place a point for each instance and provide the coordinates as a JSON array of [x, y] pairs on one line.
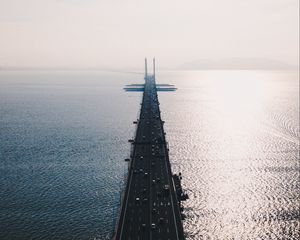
[[125, 177]]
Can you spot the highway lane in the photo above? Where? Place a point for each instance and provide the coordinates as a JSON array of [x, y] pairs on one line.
[[149, 209]]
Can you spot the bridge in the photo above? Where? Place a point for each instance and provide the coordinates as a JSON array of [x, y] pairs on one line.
[[151, 202]]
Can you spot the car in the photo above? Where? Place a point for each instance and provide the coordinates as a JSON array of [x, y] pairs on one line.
[[153, 226], [137, 199], [145, 174], [143, 226], [161, 220]]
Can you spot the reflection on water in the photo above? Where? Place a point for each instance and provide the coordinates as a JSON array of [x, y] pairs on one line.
[[233, 134], [235, 137]]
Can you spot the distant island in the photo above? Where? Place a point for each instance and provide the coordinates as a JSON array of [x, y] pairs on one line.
[[237, 63]]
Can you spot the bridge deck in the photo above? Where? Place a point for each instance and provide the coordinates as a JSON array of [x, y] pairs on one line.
[[150, 208]]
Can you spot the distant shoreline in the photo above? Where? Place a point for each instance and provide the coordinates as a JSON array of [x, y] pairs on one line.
[[162, 69]]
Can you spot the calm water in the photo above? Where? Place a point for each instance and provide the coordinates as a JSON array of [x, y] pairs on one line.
[[233, 134]]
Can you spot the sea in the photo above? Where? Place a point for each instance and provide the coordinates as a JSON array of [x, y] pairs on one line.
[[233, 134]]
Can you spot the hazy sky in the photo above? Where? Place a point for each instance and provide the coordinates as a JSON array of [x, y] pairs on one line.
[[119, 33]]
